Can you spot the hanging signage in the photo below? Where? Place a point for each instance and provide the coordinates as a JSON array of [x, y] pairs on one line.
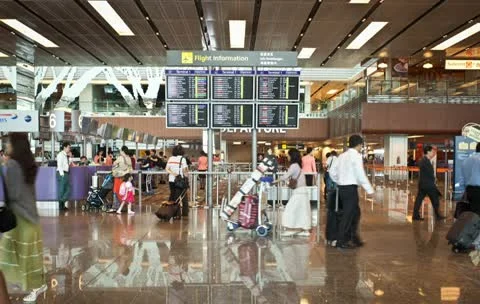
[[232, 84], [231, 58], [187, 84], [57, 121], [277, 116], [464, 147], [230, 115], [472, 131], [19, 121], [187, 115], [278, 84], [462, 64]]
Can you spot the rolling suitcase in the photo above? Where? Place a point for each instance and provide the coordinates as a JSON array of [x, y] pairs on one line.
[[464, 231], [168, 211], [334, 215], [248, 212]]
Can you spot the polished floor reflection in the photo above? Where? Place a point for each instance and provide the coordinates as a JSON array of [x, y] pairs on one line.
[[107, 258]]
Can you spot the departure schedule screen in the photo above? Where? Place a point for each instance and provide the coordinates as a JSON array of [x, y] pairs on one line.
[[187, 115], [277, 116], [278, 85], [183, 84], [235, 84], [232, 115]]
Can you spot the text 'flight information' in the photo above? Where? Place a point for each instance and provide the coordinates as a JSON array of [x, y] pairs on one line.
[[187, 84], [232, 115], [277, 116], [187, 115], [278, 85], [233, 84]]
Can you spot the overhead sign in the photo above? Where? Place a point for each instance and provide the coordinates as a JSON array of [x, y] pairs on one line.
[[462, 64], [277, 116], [472, 132], [231, 58], [278, 85], [187, 84], [19, 121], [187, 115], [232, 116], [57, 121], [232, 84], [464, 147]]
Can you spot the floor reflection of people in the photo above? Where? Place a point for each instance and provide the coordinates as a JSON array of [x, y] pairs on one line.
[[124, 241], [342, 276], [178, 267]]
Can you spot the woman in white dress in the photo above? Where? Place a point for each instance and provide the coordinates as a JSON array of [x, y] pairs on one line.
[[297, 214]]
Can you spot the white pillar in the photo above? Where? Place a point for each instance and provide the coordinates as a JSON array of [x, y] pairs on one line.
[[86, 99], [396, 154], [308, 106]]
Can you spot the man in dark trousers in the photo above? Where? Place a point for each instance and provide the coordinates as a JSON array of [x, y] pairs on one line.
[[348, 172], [426, 185]]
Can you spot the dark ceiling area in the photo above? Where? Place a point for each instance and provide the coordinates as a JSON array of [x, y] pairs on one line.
[[85, 38]]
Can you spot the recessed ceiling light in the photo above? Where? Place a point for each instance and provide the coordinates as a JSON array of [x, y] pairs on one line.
[[458, 37], [428, 65], [3, 55], [359, 1], [371, 30], [309, 19], [237, 33], [383, 65], [28, 32], [237, 143], [111, 17], [332, 91], [306, 53]]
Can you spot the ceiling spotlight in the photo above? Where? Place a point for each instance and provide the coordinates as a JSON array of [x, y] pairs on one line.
[[424, 48], [309, 19], [157, 33], [165, 45], [428, 65], [445, 36], [301, 34], [382, 65], [146, 17], [294, 46], [364, 19], [201, 18]]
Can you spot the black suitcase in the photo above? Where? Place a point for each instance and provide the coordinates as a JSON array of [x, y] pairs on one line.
[[464, 231], [168, 211], [334, 215], [461, 207]]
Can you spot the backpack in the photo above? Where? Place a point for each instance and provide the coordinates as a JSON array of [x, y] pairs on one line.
[[123, 189]]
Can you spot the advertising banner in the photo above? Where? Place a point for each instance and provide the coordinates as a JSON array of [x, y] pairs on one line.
[[231, 58], [464, 147], [462, 64], [19, 121]]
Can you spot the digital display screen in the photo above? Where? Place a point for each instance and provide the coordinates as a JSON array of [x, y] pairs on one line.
[[278, 85], [233, 84], [232, 116], [283, 116], [185, 84], [187, 115]]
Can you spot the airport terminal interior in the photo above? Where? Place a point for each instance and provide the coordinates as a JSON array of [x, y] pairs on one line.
[[118, 99]]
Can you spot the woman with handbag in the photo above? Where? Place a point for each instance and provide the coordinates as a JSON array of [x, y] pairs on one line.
[[297, 214], [177, 169], [21, 248], [121, 167]]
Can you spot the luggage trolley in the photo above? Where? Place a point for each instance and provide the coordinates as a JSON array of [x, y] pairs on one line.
[[251, 216]]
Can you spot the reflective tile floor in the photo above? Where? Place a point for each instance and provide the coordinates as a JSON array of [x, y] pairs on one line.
[[109, 258]]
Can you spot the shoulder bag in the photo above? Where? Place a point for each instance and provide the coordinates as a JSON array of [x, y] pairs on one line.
[[292, 182], [181, 182], [119, 169], [8, 221]]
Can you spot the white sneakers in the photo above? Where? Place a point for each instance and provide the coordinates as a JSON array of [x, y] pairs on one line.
[[32, 297]]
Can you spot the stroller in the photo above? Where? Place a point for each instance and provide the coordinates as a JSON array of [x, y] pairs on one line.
[[97, 198]]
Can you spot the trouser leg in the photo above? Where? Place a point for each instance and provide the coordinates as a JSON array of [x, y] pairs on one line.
[[172, 191], [435, 199], [350, 204], [473, 196], [418, 203], [309, 180]]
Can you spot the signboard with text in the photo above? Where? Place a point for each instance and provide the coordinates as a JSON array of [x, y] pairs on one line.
[[462, 64], [275, 115], [464, 147], [231, 58], [187, 115], [278, 85], [232, 84], [187, 84], [230, 115], [19, 121]]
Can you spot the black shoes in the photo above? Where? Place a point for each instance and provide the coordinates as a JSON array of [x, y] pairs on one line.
[[418, 218], [346, 246], [358, 243]]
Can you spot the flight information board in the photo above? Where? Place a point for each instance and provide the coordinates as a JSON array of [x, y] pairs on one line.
[[232, 115], [278, 85], [233, 84], [187, 115], [271, 115], [187, 84]]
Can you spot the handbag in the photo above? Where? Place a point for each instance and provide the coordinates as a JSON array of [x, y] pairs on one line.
[[181, 182], [292, 182], [8, 221]]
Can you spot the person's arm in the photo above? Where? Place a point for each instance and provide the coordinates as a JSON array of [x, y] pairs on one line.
[[168, 168], [61, 163], [14, 179], [333, 170], [314, 167], [360, 175], [292, 171]]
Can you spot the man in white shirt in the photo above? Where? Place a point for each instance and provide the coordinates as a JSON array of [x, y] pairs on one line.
[[63, 167], [348, 173]]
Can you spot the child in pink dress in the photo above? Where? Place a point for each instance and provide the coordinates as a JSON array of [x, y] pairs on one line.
[[127, 193]]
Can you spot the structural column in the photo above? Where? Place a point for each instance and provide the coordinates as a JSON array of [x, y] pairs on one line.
[[396, 154], [25, 74]]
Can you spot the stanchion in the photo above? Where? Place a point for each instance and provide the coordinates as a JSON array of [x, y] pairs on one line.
[[140, 190], [319, 196]]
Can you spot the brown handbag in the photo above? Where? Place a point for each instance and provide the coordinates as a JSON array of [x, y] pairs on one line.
[[292, 182]]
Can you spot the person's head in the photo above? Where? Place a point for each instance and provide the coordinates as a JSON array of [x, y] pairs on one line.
[[269, 151], [127, 177], [333, 153], [160, 153], [18, 149], [178, 151], [202, 153], [355, 142], [295, 157], [153, 152], [83, 159], [2, 152], [309, 150], [147, 153], [100, 153], [428, 151], [66, 146], [124, 149], [478, 148]]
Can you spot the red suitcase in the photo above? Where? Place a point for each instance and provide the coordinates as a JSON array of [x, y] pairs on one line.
[[248, 212]]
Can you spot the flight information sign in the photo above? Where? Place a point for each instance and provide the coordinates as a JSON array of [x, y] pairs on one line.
[[230, 115], [187, 84], [187, 115], [233, 84], [278, 85], [277, 115]]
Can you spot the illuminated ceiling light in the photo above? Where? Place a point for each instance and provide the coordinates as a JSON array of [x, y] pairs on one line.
[[416, 136], [111, 17], [306, 53], [332, 91], [28, 32], [458, 37], [237, 33], [3, 55], [237, 143], [427, 65], [309, 19], [371, 30], [359, 1], [382, 65]]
